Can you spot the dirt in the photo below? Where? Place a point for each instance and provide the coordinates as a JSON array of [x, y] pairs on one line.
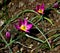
[[15, 7]]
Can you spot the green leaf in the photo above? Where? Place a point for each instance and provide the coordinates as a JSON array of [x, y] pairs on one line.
[[54, 36], [57, 44], [48, 20], [30, 11], [56, 39], [58, 12], [39, 19], [1, 40], [58, 0], [52, 30], [44, 46], [35, 38], [34, 18]]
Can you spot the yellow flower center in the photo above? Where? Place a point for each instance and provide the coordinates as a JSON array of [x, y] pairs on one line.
[[40, 11], [23, 28]]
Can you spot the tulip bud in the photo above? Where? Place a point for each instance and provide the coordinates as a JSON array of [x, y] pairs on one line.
[[56, 5], [8, 34]]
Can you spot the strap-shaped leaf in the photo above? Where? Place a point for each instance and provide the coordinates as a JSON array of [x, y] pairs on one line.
[[35, 38], [54, 36], [56, 39], [58, 12], [49, 20]]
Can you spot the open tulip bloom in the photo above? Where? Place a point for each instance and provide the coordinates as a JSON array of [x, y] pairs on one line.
[[40, 8], [23, 25]]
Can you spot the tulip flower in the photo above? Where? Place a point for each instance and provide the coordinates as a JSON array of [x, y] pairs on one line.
[[40, 8], [23, 25]]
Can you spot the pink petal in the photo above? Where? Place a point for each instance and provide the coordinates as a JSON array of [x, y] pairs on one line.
[[29, 26], [17, 27], [37, 7], [27, 31], [20, 22], [42, 6], [25, 21]]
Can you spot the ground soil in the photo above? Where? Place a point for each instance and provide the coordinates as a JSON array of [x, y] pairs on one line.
[[16, 6]]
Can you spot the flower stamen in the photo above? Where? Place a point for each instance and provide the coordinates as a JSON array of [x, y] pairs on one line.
[[22, 27], [40, 11]]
